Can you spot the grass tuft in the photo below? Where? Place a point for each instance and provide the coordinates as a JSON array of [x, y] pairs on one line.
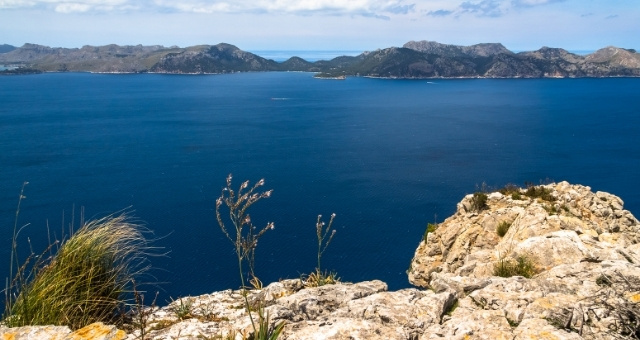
[[319, 278], [540, 192], [502, 228], [479, 201], [85, 281], [523, 266]]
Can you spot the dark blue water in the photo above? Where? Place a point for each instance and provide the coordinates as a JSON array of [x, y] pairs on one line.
[[384, 155]]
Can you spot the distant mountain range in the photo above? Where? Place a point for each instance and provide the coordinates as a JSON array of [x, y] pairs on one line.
[[416, 59]]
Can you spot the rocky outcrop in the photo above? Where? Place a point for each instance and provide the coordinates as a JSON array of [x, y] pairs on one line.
[[478, 50], [220, 58], [582, 249], [364, 310]]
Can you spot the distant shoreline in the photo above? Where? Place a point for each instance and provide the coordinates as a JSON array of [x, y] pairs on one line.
[[414, 60]]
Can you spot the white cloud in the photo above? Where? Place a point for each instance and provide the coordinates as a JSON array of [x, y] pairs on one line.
[[16, 3], [531, 3], [66, 6], [305, 7], [480, 8], [486, 8]]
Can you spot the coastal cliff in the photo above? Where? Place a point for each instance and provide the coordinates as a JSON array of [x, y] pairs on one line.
[[580, 251]]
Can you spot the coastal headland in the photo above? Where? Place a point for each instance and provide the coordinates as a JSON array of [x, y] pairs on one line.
[[414, 60]]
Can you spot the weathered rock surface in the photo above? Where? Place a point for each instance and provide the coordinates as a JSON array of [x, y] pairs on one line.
[[95, 331], [585, 249], [584, 245]]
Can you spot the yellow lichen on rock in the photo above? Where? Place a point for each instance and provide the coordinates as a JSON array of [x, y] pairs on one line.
[[98, 331]]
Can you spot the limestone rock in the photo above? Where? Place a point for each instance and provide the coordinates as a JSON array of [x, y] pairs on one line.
[[578, 225], [584, 247], [35, 332], [94, 331]]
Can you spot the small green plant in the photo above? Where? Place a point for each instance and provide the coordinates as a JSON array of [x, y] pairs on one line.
[[551, 209], [509, 189], [502, 228], [479, 201], [540, 192], [183, 309], [140, 313], [324, 235], [431, 227], [322, 231], [265, 330], [246, 238], [516, 196], [318, 279], [523, 266]]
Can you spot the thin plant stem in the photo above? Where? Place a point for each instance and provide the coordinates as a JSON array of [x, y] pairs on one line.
[[322, 234], [245, 243], [14, 253]]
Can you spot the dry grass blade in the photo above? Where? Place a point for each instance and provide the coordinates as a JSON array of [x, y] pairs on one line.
[[87, 278]]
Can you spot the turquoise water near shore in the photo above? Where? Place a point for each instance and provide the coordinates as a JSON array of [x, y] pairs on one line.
[[387, 156]]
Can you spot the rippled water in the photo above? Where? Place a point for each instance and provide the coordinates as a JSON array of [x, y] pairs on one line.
[[387, 156]]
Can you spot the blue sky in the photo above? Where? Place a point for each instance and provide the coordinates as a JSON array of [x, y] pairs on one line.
[[322, 24]]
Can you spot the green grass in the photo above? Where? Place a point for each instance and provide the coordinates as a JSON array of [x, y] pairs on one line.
[[479, 201], [540, 192], [509, 189], [431, 227], [84, 282], [523, 266], [502, 228]]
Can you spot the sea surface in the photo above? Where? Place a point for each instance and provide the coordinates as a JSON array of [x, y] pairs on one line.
[[387, 156]]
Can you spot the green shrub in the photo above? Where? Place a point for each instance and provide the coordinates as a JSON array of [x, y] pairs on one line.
[[183, 309], [479, 201], [431, 227], [516, 196], [84, 282], [509, 189], [502, 228], [540, 192], [551, 209], [523, 266]]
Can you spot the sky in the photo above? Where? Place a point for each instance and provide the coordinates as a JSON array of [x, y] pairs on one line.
[[354, 25]]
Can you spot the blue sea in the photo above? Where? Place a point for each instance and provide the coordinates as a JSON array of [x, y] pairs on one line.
[[387, 156]]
